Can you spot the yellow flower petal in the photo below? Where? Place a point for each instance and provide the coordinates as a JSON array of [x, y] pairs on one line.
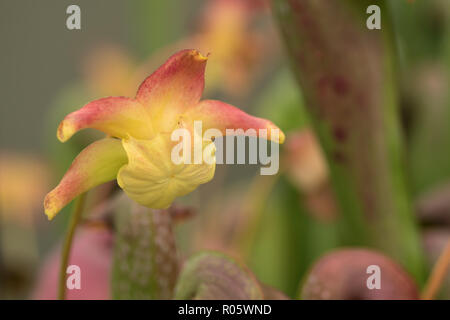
[[116, 116], [96, 164], [151, 178]]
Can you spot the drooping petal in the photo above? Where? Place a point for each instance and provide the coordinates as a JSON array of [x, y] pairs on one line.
[[96, 164], [152, 179], [173, 87], [222, 116], [116, 116]]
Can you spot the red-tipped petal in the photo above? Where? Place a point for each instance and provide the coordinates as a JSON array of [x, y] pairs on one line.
[[96, 164], [222, 116], [173, 87], [116, 116]]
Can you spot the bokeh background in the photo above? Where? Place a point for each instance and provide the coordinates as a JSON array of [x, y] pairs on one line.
[[278, 226]]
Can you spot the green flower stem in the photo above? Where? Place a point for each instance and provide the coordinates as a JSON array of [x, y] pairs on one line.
[[145, 264], [347, 75], [74, 220]]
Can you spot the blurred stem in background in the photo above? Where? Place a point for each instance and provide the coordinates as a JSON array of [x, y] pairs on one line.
[[347, 76], [290, 236], [437, 277], [74, 220]]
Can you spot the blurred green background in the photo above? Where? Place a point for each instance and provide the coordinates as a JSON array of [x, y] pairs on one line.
[[277, 226]]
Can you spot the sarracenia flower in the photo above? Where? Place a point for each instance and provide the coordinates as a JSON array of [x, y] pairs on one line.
[[138, 150]]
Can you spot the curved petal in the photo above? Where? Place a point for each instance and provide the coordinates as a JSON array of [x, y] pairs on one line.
[[152, 179], [173, 87], [116, 116], [222, 116], [96, 164]]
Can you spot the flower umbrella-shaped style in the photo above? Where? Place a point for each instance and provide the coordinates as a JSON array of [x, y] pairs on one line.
[[138, 150]]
